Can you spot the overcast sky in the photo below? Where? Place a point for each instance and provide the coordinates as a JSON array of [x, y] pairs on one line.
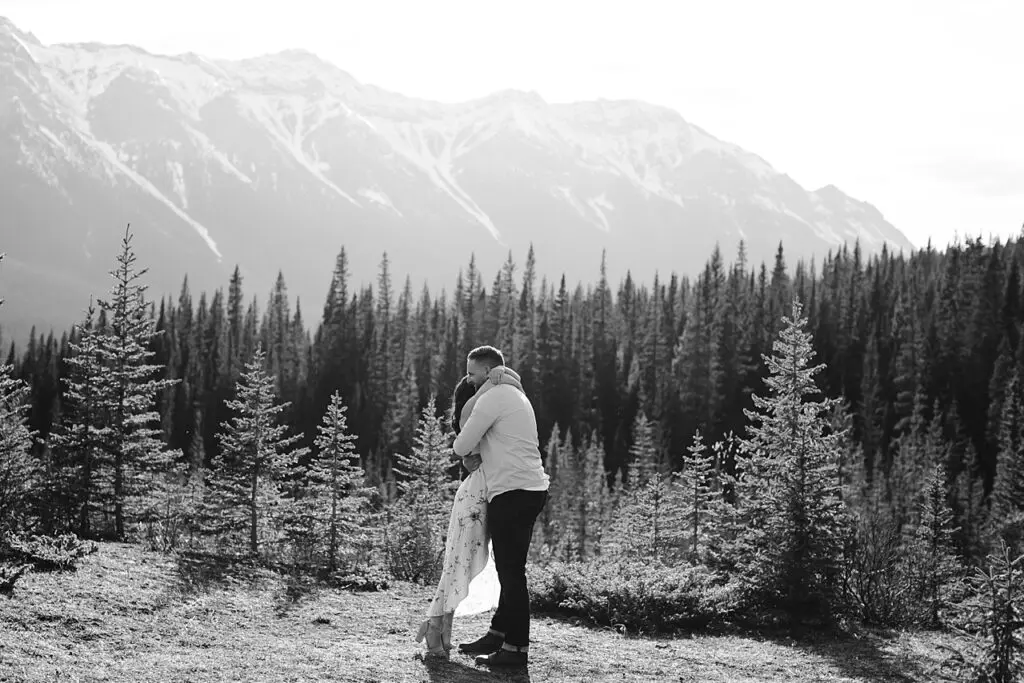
[[914, 106]]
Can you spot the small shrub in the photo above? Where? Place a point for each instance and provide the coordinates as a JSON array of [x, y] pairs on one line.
[[876, 579], [167, 523], [52, 553], [635, 595], [364, 579], [157, 535]]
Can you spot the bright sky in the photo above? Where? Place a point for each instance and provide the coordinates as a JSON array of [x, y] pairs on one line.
[[916, 106]]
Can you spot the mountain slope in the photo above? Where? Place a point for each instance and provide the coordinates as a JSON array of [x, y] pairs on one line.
[[276, 162]]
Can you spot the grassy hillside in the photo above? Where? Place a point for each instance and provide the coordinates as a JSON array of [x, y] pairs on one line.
[[131, 615]]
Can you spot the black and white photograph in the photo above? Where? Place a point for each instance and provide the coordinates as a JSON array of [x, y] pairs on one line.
[[544, 342]]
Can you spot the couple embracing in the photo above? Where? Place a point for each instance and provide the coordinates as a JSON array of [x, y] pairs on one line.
[[498, 503]]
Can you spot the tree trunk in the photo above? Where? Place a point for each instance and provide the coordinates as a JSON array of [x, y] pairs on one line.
[[253, 518], [119, 495]]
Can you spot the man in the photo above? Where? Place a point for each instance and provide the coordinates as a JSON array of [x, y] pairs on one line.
[[504, 425]]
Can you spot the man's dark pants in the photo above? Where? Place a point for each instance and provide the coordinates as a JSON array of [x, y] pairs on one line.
[[510, 519]]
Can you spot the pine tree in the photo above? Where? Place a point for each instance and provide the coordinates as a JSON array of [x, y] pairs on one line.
[[423, 473], [236, 327], [506, 304], [129, 389], [1006, 516], [16, 467], [697, 362], [914, 454], [336, 499], [701, 491], [78, 459], [648, 523], [970, 501], [382, 376], [933, 547], [999, 585], [791, 501], [18, 472], [197, 448], [645, 459], [417, 522], [606, 392], [593, 497], [559, 520], [255, 456]]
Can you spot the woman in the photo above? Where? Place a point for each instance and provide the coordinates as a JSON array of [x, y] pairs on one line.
[[467, 547]]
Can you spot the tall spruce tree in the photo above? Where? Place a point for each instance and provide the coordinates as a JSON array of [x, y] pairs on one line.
[[593, 496], [335, 505], [970, 502], [423, 479], [78, 458], [558, 518], [1006, 516], [790, 491], [648, 520], [255, 456], [700, 489], [417, 522], [129, 388]]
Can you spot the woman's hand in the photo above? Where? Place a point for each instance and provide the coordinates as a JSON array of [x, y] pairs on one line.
[[494, 376], [472, 461]]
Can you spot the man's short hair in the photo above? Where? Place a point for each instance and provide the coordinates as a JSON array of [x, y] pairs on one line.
[[488, 355]]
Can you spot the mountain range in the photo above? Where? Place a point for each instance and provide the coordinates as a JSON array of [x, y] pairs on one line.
[[276, 162]]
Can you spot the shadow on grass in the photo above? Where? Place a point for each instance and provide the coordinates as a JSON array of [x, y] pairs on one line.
[[202, 572], [857, 655], [455, 671], [297, 588]]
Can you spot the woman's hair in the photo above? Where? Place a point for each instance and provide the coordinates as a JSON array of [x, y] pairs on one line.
[[464, 391]]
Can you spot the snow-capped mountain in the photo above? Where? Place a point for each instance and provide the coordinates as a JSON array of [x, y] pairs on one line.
[[275, 162]]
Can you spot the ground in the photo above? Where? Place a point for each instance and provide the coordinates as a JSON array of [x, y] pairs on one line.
[[131, 615]]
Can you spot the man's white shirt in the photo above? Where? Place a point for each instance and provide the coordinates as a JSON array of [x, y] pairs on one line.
[[504, 425]]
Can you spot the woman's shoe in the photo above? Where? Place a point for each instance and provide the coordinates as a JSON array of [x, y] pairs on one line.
[[432, 630], [446, 631]]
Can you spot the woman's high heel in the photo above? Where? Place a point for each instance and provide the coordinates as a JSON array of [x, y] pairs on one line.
[[432, 630]]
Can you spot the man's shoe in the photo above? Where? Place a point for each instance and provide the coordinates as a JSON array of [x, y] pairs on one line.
[[504, 657], [483, 646]]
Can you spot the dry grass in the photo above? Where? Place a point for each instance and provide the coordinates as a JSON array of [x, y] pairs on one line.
[[131, 615]]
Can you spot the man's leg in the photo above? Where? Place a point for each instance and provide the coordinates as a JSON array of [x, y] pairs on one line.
[[510, 520], [502, 541], [511, 517]]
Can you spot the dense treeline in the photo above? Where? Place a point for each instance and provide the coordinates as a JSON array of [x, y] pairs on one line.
[[931, 339]]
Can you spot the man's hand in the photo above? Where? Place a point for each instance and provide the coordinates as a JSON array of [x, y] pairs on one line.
[[472, 461]]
